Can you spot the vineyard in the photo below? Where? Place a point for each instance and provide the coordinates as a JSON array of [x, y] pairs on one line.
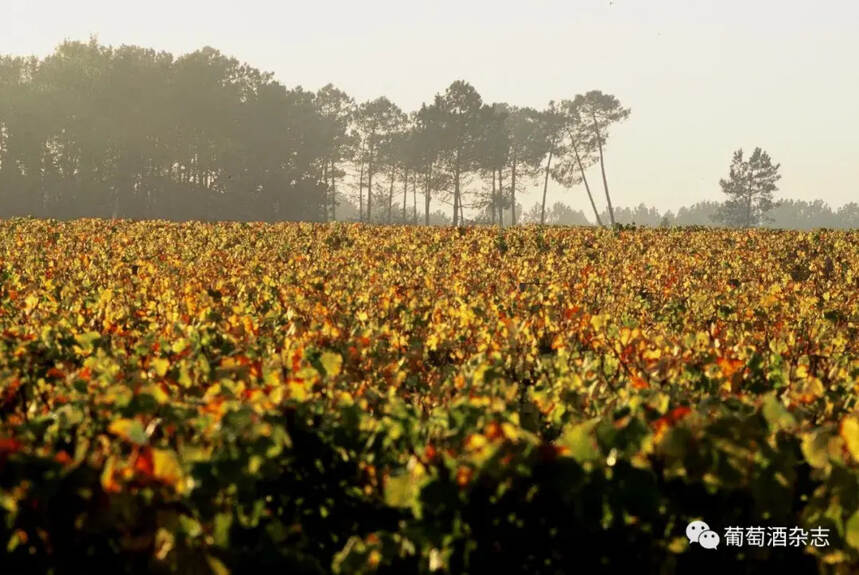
[[332, 398]]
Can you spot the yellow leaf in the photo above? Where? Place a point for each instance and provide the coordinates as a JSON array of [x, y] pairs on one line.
[[128, 429], [850, 433], [108, 483], [331, 362], [161, 366], [179, 346], [156, 392], [217, 567], [476, 441], [297, 390], [30, 302], [166, 467]]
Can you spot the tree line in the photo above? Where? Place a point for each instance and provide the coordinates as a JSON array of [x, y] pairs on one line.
[[97, 131], [786, 214]]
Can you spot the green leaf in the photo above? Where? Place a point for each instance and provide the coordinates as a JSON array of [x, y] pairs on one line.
[[851, 531], [400, 491], [580, 441], [221, 534], [86, 342], [777, 416]]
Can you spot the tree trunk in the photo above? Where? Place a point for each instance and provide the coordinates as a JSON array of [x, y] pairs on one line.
[[749, 201], [513, 192], [333, 193], [361, 190], [492, 201], [391, 194], [602, 169], [546, 185], [405, 192], [501, 197], [415, 198], [324, 205], [585, 181], [370, 188], [456, 199], [427, 196]]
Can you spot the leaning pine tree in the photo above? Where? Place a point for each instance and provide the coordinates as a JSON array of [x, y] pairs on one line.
[[749, 188]]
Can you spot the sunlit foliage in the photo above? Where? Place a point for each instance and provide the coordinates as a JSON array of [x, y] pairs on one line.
[[248, 397]]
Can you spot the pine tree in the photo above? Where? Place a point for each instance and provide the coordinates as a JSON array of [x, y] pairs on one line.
[[749, 187]]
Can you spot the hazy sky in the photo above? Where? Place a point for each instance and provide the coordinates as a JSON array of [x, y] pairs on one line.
[[702, 77]]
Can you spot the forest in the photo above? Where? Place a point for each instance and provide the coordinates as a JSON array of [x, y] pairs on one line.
[[128, 132]]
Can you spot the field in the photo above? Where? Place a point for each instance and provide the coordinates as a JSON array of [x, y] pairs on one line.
[[216, 398]]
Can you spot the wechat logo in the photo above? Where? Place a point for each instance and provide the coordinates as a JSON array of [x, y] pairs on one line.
[[700, 533]]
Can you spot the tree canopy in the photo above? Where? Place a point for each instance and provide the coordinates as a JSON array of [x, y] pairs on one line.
[[97, 131], [749, 187]]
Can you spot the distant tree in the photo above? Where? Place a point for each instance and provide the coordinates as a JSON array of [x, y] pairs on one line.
[[376, 121], [336, 109], [428, 144], [438, 218], [461, 118], [526, 149], [563, 215], [580, 152], [129, 132], [393, 154], [553, 123], [749, 188], [347, 211], [493, 158], [698, 214], [559, 214], [601, 110], [848, 216], [667, 220], [92, 130], [801, 215], [641, 215], [21, 131]]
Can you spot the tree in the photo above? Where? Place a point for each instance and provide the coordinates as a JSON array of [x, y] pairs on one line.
[[559, 214], [600, 111], [526, 149], [749, 187], [493, 156], [129, 132], [376, 121], [848, 216], [428, 142], [92, 130], [579, 154], [460, 117], [336, 109], [552, 123]]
